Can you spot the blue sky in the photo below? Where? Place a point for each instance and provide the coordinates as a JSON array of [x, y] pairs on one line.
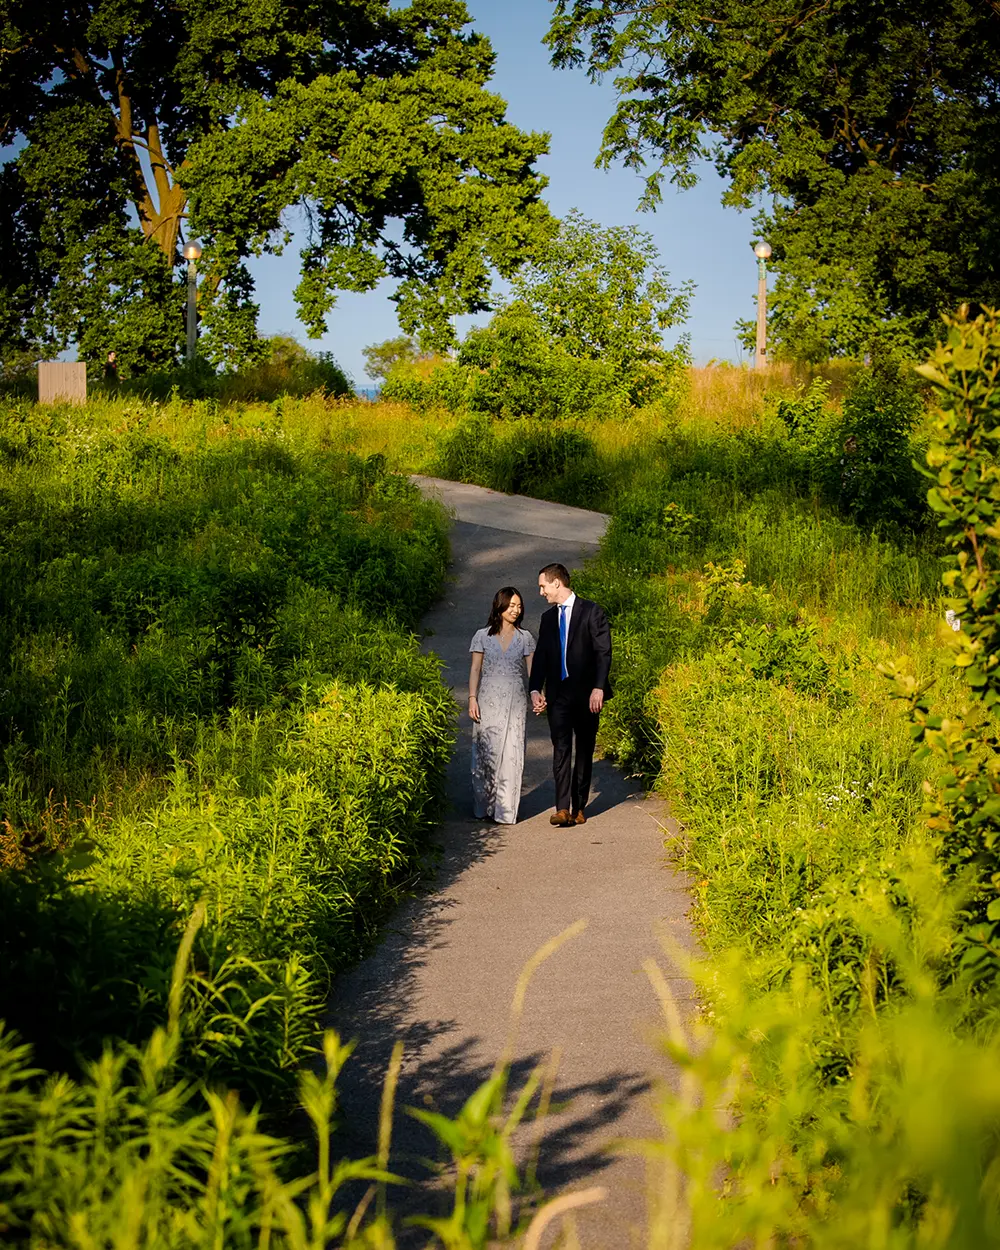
[[697, 237]]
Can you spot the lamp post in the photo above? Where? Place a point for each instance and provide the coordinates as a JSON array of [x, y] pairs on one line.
[[762, 251], [191, 253]]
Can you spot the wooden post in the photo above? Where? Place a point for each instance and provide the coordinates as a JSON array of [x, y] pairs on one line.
[[62, 382]]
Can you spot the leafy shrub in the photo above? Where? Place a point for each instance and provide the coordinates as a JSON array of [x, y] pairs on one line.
[[963, 799], [806, 414], [862, 458], [874, 479], [135, 1154], [209, 693], [515, 370], [285, 367], [428, 385], [522, 458]]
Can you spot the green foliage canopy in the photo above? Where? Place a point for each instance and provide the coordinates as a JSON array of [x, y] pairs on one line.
[[873, 127], [601, 293], [584, 323], [132, 125]]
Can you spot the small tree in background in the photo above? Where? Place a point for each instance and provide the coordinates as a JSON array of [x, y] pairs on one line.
[[584, 326], [600, 293], [382, 358]]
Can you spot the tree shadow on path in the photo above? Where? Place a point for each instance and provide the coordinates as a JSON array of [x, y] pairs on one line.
[[440, 979]]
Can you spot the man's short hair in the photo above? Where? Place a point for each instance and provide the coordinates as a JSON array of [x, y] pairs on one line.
[[556, 573]]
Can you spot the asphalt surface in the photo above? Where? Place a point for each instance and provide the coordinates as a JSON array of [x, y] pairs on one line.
[[444, 975]]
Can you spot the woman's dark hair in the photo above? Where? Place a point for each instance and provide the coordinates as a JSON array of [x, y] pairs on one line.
[[501, 602]]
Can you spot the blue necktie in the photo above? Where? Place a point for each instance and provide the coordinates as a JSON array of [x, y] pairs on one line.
[[563, 635]]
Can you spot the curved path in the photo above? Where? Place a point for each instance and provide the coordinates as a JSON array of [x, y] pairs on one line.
[[443, 977]]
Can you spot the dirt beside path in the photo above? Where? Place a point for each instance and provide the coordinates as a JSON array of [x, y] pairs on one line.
[[443, 977]]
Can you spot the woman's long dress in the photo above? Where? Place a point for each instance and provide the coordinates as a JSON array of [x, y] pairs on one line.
[[498, 738]]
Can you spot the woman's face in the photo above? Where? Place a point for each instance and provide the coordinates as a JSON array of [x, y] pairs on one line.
[[512, 610]]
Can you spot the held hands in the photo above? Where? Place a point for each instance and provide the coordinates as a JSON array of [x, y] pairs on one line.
[[538, 703], [473, 708]]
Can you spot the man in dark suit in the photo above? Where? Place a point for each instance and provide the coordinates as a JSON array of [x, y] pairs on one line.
[[569, 679]]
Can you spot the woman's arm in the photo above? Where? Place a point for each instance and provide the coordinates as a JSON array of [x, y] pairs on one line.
[[537, 672], [475, 672]]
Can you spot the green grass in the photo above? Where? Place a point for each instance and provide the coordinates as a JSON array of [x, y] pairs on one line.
[[213, 698], [209, 693]]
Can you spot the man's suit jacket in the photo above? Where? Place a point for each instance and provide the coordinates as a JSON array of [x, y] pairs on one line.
[[588, 652]]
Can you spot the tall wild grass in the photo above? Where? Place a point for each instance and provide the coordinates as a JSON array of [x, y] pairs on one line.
[[210, 692], [768, 555]]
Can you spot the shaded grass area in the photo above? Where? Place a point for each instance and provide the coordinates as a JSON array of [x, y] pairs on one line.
[[209, 692]]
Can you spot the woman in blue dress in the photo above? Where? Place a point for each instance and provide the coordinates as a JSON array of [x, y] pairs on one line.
[[498, 706]]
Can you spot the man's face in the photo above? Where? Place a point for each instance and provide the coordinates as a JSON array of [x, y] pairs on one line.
[[549, 590]]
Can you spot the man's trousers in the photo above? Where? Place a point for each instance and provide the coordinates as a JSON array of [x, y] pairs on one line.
[[572, 723]]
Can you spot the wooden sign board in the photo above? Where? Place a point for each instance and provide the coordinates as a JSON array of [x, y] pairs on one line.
[[62, 382]]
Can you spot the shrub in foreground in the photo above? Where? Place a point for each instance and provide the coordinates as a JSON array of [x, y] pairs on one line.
[[209, 693]]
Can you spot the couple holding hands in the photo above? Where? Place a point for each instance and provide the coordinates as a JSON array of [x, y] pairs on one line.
[[567, 677]]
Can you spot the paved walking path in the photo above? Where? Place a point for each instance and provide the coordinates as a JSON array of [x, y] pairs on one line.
[[444, 975]]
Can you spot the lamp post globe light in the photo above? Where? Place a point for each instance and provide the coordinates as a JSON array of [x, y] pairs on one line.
[[191, 253], [762, 251]]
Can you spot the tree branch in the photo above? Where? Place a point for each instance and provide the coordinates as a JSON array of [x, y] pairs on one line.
[[158, 162]]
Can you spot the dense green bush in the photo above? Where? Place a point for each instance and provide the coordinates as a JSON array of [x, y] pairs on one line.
[[523, 458], [861, 459], [429, 385], [515, 369], [284, 367], [846, 887], [209, 693]]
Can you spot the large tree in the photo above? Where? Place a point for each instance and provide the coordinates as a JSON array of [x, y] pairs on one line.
[[875, 127], [131, 125]]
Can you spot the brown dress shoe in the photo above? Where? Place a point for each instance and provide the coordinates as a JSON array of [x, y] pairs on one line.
[[579, 818], [561, 818]]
